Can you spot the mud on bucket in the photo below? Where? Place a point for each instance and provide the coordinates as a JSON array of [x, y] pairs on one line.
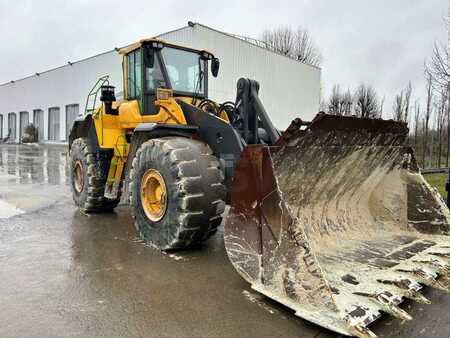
[[338, 224]]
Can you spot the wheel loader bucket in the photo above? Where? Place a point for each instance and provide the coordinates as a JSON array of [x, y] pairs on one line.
[[338, 224]]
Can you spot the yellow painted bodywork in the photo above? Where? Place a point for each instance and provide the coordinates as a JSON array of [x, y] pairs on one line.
[[112, 130]]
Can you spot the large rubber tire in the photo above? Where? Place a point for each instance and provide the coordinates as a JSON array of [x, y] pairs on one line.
[[94, 169], [195, 192]]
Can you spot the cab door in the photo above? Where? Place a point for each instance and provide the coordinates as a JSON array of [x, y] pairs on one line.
[[134, 76], [153, 79]]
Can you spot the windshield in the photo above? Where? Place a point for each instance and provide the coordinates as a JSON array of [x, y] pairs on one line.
[[185, 70]]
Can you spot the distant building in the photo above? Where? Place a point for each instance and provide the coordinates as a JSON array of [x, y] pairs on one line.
[[51, 100]]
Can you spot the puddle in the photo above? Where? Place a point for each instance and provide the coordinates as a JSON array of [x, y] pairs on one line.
[[8, 210], [177, 257]]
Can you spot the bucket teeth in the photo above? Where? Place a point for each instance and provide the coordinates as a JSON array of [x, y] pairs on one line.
[[404, 283], [392, 308], [411, 287], [429, 278], [389, 303], [417, 296], [426, 275], [441, 254], [437, 263], [441, 286], [362, 331]]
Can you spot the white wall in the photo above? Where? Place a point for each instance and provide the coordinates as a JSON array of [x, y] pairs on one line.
[[289, 89], [66, 85]]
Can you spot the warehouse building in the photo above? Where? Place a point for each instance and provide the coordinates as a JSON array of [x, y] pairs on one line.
[[52, 99]]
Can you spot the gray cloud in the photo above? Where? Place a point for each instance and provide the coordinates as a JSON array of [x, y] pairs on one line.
[[381, 42]]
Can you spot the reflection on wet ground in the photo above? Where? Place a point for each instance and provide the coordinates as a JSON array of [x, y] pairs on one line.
[[65, 274], [34, 164]]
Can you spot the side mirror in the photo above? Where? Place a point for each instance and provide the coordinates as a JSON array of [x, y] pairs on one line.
[[215, 65]]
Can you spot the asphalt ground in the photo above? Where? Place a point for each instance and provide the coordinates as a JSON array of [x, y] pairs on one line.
[[66, 274]]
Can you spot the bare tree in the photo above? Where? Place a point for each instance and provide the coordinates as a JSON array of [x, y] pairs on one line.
[[366, 102], [440, 121], [416, 124], [408, 93], [305, 50], [334, 103], [401, 105], [437, 74], [296, 44], [439, 65], [347, 103], [448, 125], [340, 103], [281, 39], [398, 107], [426, 125], [382, 106], [335, 100]]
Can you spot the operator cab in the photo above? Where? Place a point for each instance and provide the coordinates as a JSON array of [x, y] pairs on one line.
[[151, 64]]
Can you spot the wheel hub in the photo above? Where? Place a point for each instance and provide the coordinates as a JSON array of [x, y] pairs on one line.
[[153, 195], [78, 177]]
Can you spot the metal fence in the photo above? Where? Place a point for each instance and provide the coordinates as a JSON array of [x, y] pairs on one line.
[[435, 170]]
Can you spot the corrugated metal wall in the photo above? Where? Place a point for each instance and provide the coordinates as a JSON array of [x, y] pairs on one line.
[[57, 88], [288, 88]]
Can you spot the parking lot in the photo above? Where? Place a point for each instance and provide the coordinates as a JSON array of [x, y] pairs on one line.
[[66, 274]]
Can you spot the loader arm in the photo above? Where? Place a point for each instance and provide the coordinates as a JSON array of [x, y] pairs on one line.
[[252, 116]]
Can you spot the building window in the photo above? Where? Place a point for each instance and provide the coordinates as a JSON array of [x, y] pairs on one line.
[[72, 112], [12, 126], [1, 126], [24, 122], [53, 124], [38, 121], [134, 75]]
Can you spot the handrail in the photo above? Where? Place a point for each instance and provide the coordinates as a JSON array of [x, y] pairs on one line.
[[104, 80]]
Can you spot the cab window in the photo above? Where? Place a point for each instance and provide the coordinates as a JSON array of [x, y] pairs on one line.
[[154, 77], [185, 70], [134, 75]]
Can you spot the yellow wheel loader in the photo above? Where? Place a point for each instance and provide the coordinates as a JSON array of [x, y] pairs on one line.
[[331, 217]]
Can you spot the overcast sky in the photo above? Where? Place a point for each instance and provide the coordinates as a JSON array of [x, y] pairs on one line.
[[381, 42]]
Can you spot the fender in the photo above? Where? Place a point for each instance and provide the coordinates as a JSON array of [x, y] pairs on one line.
[[83, 126], [161, 130], [147, 131]]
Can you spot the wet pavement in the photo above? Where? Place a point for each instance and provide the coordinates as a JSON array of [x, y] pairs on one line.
[[66, 274]]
